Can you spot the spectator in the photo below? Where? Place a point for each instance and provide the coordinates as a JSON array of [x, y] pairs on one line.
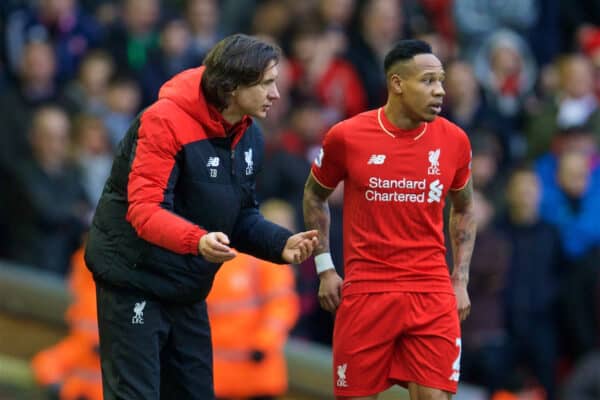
[[203, 18], [35, 87], [289, 160], [236, 15], [488, 175], [87, 93], [578, 139], [438, 14], [438, 43], [272, 18], [485, 359], [318, 72], [574, 105], [573, 206], [337, 14], [336, 17], [49, 210], [123, 100], [69, 31], [465, 103], [131, 39], [380, 24], [173, 55], [476, 21], [507, 73], [93, 154], [532, 285]]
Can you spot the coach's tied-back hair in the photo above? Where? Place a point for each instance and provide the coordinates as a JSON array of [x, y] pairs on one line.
[[405, 50], [237, 60]]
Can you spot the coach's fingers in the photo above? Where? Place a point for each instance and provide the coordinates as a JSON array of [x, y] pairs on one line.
[[214, 247]]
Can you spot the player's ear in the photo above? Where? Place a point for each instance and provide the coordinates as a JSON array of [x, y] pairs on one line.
[[395, 84]]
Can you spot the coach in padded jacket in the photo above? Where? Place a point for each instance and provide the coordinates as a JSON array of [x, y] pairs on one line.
[[180, 196]]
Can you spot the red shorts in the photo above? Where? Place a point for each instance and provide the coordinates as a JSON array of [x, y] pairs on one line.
[[382, 339]]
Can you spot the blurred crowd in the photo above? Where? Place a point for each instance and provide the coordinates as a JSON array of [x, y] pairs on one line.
[[522, 79]]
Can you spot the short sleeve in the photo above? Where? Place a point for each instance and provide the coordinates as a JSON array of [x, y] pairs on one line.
[[329, 167], [464, 154]]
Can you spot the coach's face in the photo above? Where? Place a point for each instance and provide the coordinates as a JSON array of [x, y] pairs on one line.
[[256, 100], [420, 87]]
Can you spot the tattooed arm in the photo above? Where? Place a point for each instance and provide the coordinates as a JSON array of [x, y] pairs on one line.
[[316, 216], [316, 211], [462, 235]]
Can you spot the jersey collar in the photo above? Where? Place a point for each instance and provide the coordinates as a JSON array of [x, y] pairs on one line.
[[390, 129]]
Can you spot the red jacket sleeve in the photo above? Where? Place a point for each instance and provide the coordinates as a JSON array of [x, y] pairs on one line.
[[151, 181]]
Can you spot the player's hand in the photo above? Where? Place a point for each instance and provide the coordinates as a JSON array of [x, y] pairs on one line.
[[214, 247], [330, 290], [300, 246], [463, 302]]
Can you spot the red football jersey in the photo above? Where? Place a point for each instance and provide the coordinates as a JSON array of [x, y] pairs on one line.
[[395, 184]]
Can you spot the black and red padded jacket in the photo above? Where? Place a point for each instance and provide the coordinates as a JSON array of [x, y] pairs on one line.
[[180, 171]]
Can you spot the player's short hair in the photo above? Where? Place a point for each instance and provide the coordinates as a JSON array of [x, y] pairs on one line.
[[404, 50], [237, 60]]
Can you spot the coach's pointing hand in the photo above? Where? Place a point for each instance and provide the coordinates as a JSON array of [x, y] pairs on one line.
[[300, 246]]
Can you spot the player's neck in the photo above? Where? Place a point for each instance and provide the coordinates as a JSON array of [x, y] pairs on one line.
[[399, 118]]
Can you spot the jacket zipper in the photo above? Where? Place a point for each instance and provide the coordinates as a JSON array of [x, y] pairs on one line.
[[233, 162]]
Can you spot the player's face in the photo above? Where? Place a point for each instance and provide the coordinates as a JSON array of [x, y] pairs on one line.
[[422, 88], [256, 100]]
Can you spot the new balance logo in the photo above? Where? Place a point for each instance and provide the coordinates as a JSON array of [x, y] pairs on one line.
[[435, 191], [341, 373], [377, 159], [213, 162]]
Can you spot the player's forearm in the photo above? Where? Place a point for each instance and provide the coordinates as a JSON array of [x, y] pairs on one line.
[[317, 216], [462, 235], [463, 230]]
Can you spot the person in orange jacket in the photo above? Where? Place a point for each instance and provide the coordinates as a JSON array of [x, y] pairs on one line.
[[70, 369], [252, 307]]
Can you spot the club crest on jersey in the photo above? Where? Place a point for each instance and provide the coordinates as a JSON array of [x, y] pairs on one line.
[[434, 167], [376, 159]]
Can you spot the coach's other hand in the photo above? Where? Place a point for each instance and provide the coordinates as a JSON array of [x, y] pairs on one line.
[[300, 246], [214, 247]]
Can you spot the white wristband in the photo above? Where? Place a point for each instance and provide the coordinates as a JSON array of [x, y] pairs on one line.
[[324, 262]]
